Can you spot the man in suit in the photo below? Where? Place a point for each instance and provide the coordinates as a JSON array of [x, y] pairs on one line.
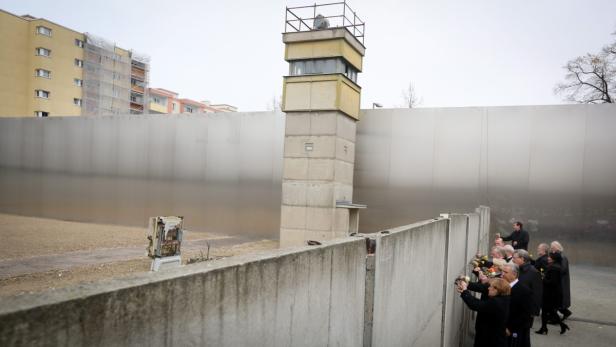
[[530, 277], [520, 309], [519, 237]]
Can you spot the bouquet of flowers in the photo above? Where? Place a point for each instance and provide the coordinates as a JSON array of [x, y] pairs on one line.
[[485, 266], [462, 278], [492, 272], [481, 261]]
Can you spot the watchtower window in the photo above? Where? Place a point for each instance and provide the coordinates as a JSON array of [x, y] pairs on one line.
[[322, 66]]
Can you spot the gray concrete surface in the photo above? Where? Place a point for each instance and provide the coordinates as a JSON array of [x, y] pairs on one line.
[[308, 296], [593, 323], [553, 167], [410, 267], [456, 265]]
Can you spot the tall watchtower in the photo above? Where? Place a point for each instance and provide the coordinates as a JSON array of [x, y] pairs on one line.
[[321, 98]]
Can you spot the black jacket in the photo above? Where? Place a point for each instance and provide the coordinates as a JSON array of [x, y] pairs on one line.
[[531, 278], [495, 311], [565, 282], [552, 288], [481, 317], [541, 263], [521, 309], [520, 237]]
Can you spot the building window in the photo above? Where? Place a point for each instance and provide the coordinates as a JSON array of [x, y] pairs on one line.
[[78, 62], [44, 52], [78, 82], [41, 94], [79, 43], [188, 109], [42, 73], [77, 102], [41, 114], [159, 100], [43, 30]]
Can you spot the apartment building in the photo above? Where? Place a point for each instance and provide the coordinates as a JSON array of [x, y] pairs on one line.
[[167, 101], [47, 69]]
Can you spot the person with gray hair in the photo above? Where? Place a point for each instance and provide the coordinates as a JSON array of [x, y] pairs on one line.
[[556, 247], [520, 310], [530, 277], [508, 249]]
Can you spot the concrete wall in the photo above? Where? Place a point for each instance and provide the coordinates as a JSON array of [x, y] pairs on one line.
[[457, 261], [299, 297], [328, 295], [552, 167], [415, 303], [221, 171], [408, 296]]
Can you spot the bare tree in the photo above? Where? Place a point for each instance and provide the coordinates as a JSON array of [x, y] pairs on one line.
[[410, 97], [591, 79]]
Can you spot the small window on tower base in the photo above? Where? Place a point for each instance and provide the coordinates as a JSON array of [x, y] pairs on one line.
[[41, 114]]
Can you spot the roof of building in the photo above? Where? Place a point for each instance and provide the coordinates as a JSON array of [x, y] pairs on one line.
[[164, 92], [28, 17]]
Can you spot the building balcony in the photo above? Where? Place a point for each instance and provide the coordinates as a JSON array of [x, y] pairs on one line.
[[137, 73], [157, 108], [137, 89], [136, 107]]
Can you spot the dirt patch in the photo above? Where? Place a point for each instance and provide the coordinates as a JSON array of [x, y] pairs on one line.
[[28, 237]]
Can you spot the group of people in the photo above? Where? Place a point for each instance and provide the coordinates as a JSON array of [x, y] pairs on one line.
[[516, 289]]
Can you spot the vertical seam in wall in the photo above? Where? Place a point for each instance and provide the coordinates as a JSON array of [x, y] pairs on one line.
[[445, 273], [331, 280], [465, 322]]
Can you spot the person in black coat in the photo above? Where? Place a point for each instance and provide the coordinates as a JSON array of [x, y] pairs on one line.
[[556, 247], [519, 237], [530, 277], [481, 286], [552, 294], [495, 311], [541, 263], [521, 308]]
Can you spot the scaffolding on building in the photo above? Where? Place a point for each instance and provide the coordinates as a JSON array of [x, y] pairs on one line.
[[115, 80], [140, 73]]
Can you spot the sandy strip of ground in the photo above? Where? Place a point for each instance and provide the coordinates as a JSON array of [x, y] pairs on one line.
[[29, 236], [26, 238]]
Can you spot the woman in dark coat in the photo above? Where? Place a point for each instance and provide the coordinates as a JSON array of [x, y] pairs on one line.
[[552, 294], [494, 310], [556, 247]]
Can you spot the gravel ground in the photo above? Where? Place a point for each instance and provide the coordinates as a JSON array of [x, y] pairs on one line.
[[26, 238]]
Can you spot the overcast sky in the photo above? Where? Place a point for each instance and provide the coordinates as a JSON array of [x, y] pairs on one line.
[[457, 53]]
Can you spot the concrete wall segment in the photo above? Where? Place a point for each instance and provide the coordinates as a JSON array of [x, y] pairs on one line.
[[405, 285], [303, 296]]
